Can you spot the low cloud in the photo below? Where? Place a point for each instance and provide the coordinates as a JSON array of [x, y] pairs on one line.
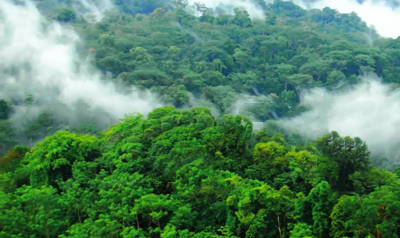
[[369, 111], [39, 58], [254, 10], [91, 10], [380, 14]]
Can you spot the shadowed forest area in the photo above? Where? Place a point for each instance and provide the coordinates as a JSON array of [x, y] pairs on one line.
[[193, 168]]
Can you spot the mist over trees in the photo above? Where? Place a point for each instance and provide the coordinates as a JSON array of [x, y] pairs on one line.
[[195, 168]]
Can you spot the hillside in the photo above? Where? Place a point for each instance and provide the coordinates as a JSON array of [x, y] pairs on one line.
[[188, 174], [191, 167], [213, 59]]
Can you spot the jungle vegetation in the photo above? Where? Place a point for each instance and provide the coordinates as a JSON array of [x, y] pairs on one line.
[[185, 172]]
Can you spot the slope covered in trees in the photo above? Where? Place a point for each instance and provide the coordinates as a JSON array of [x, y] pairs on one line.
[[187, 173], [184, 56]]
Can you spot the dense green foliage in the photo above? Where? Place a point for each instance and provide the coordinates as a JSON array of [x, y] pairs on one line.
[[198, 57], [186, 173]]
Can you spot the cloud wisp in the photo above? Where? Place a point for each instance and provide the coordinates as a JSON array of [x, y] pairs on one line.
[[367, 111], [39, 58], [254, 10], [92, 11], [377, 13]]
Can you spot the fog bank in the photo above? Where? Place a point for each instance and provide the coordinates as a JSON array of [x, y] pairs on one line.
[[369, 111], [39, 58]]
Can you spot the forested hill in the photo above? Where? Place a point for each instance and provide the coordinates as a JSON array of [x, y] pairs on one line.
[[188, 173], [198, 58], [215, 58]]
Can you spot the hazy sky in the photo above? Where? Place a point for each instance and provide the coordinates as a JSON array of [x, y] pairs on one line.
[[376, 13], [373, 12]]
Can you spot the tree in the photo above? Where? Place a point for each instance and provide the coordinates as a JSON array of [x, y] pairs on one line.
[[51, 161], [6, 109], [322, 200], [186, 173], [8, 137], [66, 15], [38, 128], [375, 214], [242, 18], [350, 154], [37, 211], [301, 230]]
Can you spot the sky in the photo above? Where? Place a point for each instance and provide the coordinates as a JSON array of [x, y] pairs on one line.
[[374, 12]]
